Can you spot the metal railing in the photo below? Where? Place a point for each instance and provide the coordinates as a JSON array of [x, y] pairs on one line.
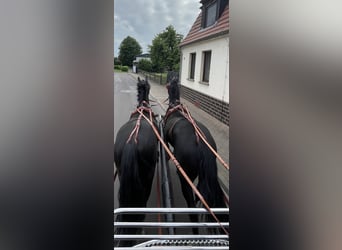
[[168, 229], [173, 241]]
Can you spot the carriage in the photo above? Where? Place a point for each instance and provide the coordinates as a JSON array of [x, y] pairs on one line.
[[169, 229]]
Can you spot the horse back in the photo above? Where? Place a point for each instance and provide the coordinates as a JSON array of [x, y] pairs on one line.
[[188, 149], [179, 131], [146, 143]]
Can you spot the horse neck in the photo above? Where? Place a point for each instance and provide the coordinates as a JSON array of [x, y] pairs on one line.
[[143, 97], [146, 108], [144, 103], [172, 112]]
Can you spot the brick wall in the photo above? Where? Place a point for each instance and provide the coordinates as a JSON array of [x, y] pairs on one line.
[[214, 107]]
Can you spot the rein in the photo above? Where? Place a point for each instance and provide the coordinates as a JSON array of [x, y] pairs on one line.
[[135, 130], [115, 174], [199, 133], [180, 169]]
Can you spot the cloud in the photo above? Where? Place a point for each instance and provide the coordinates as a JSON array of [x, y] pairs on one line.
[[144, 19]]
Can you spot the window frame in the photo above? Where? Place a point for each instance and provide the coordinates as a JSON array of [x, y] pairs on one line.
[[205, 14], [206, 67], [192, 66]]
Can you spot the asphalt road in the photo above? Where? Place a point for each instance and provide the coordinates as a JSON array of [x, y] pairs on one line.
[[124, 103]]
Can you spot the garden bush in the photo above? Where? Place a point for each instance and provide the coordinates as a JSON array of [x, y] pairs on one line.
[[124, 68], [145, 65]]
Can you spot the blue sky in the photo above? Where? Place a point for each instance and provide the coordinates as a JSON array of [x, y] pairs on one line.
[[144, 19]]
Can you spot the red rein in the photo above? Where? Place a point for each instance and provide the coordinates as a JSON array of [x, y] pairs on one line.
[[135, 130]]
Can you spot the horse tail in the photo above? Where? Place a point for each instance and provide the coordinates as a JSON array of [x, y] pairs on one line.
[[208, 184], [130, 183], [130, 192]]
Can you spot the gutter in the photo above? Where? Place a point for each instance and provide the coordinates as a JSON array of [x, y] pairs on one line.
[[205, 38]]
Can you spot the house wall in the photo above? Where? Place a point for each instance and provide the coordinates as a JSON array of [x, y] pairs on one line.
[[218, 86], [140, 58], [213, 98], [216, 108]]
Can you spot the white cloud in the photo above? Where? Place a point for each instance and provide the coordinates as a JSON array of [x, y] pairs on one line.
[[144, 19]]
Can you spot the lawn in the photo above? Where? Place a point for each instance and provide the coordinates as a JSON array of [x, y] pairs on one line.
[[163, 75]]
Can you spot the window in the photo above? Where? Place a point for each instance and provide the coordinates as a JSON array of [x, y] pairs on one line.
[[192, 66], [206, 66], [223, 4], [210, 14]]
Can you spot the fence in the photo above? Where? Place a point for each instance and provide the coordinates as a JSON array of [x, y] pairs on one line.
[[161, 78]]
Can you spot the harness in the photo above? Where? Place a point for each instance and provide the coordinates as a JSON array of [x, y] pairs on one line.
[[172, 121], [199, 133], [185, 115], [181, 170], [145, 107]]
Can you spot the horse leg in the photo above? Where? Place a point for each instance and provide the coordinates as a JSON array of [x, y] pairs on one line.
[[190, 200]]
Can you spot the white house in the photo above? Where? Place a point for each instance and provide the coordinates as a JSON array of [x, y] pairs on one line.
[[138, 58], [204, 74]]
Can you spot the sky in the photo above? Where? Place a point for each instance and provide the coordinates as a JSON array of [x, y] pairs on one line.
[[144, 19]]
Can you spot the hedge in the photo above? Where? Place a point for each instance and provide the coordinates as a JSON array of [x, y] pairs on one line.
[[124, 68]]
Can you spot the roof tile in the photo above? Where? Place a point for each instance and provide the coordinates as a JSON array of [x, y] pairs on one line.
[[198, 33]]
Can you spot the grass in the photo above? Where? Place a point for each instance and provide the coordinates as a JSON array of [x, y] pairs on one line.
[[164, 76]]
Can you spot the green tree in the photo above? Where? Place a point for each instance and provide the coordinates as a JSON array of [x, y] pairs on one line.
[[128, 50], [117, 61], [145, 64], [165, 52]]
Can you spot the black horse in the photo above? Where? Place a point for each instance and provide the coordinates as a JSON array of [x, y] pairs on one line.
[[135, 157], [193, 154]]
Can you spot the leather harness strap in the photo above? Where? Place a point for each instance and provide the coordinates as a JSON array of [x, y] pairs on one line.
[[181, 170], [139, 110], [174, 121], [199, 133], [185, 114]]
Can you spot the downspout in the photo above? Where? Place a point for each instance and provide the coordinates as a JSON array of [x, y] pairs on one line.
[[180, 64], [226, 75], [180, 70]]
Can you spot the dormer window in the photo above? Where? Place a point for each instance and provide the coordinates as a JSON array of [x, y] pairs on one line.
[[211, 11], [210, 14]]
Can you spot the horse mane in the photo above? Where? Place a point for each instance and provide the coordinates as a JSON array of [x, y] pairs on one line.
[[174, 93], [143, 90]]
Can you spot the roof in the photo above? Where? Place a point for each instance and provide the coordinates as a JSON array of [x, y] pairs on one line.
[[144, 55], [197, 33]]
